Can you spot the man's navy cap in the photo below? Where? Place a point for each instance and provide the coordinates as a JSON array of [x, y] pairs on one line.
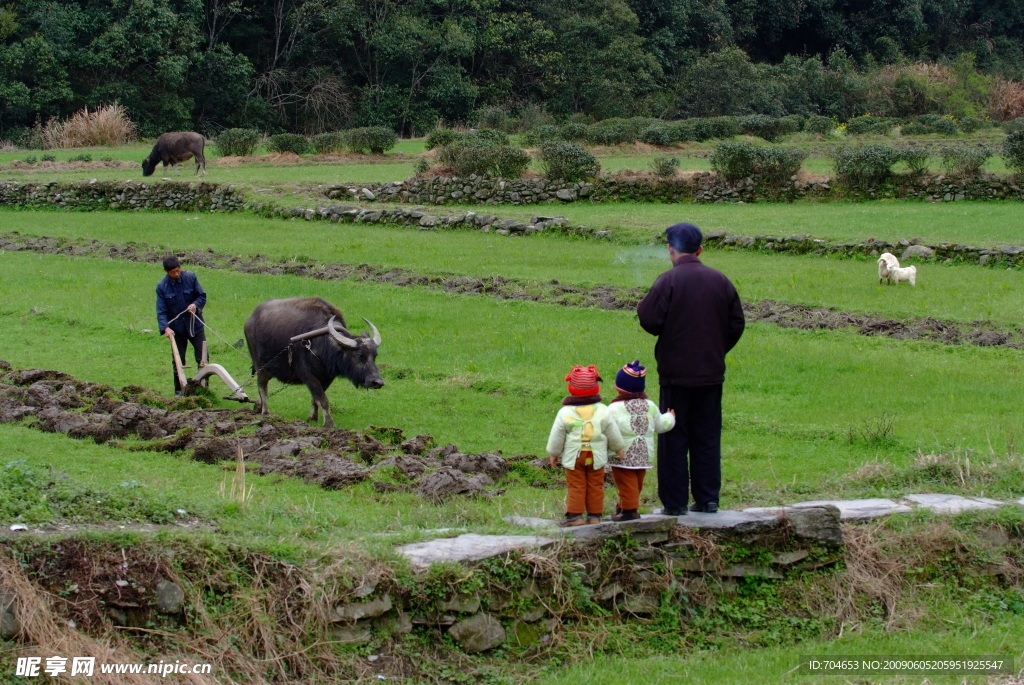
[[684, 237]]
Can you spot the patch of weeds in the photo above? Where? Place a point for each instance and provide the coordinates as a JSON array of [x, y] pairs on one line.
[[83, 157], [389, 435], [524, 473], [758, 614], [961, 470], [29, 496], [877, 432], [992, 602]]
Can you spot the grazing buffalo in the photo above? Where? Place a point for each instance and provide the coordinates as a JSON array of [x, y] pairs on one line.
[[172, 148], [304, 340]]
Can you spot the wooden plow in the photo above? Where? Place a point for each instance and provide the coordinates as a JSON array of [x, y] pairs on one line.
[[202, 378]]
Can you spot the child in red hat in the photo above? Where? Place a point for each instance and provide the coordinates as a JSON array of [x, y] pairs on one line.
[[638, 420], [580, 438]]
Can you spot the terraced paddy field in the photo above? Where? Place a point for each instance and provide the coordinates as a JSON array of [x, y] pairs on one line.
[[840, 388]]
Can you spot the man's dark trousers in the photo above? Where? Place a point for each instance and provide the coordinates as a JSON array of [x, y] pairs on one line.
[[697, 434], [180, 341]]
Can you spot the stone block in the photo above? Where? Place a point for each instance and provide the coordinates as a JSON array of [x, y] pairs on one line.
[[479, 633], [358, 610]]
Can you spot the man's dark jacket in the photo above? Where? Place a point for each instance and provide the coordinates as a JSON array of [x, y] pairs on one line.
[[174, 297], [697, 315]]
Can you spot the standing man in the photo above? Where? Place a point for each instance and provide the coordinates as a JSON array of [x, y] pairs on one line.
[[179, 307], [696, 313]]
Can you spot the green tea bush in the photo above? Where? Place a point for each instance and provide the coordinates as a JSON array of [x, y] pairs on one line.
[[734, 161], [238, 142], [372, 139], [491, 135], [31, 159], [48, 157], [81, 157], [761, 126], [964, 160], [574, 132], [914, 128], [864, 166], [792, 123], [565, 161], [820, 125], [664, 166], [325, 143], [972, 124], [777, 165], [542, 134], [916, 159], [473, 155], [868, 124], [710, 128], [1013, 151], [289, 142], [657, 135], [494, 118], [946, 127], [440, 137], [1009, 126], [611, 132]]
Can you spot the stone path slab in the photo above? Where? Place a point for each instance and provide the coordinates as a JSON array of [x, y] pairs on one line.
[[469, 547], [655, 526], [860, 509], [952, 504]]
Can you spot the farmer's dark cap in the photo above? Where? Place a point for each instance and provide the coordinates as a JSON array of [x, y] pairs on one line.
[[684, 237]]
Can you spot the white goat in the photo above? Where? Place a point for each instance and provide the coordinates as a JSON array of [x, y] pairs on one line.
[[886, 262], [903, 273]]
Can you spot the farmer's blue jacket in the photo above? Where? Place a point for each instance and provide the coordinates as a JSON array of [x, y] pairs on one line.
[[174, 297]]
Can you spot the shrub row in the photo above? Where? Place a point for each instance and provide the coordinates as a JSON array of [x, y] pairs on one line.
[[775, 166], [661, 132], [244, 141]]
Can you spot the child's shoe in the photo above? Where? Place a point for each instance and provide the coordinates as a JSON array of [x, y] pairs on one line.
[[593, 518], [627, 515], [571, 520]]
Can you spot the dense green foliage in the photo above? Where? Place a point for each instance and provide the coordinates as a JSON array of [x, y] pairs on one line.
[[568, 161], [309, 66], [773, 165], [238, 141], [289, 142]]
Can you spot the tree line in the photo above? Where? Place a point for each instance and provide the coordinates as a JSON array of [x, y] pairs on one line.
[[310, 66]]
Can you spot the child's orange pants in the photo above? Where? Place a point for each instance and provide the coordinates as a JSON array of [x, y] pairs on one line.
[[585, 486], [630, 483]]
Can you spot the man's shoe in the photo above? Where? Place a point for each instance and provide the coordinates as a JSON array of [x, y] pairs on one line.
[[708, 508], [673, 511], [572, 520]]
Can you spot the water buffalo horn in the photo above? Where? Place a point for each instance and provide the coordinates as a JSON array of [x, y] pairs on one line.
[[347, 342], [376, 333]]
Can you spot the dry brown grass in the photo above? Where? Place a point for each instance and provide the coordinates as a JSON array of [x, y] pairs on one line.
[[45, 634], [107, 126], [1007, 101]]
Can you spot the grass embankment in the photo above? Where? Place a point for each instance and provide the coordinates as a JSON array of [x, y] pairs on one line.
[[468, 369]]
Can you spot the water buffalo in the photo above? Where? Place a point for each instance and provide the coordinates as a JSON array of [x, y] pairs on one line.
[[304, 340], [172, 148]]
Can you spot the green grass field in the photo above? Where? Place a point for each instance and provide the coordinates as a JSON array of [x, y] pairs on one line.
[[808, 414]]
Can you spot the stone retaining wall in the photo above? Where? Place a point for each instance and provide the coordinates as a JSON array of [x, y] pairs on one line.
[[703, 187], [218, 198], [191, 197]]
